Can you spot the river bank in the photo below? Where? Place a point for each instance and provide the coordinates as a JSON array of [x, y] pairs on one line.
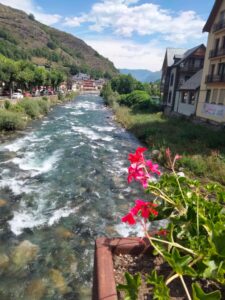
[[202, 148], [16, 115]]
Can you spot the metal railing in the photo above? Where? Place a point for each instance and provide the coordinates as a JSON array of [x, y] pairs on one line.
[[215, 78], [218, 26], [216, 52]]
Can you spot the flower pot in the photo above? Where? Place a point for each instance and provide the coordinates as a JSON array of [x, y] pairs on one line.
[[104, 286]]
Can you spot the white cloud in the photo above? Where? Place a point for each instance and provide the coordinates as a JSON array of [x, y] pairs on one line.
[[128, 54], [127, 17], [30, 7]]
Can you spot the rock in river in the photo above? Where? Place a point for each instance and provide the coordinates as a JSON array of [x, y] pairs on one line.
[[24, 253], [35, 290], [58, 281]]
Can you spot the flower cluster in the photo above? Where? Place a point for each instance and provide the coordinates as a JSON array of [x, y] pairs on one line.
[[140, 169], [145, 209]]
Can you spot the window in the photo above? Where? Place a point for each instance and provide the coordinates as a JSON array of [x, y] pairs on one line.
[[222, 15], [171, 79], [223, 43], [170, 96], [212, 69], [184, 97], [221, 70], [208, 94], [217, 41], [221, 100], [214, 96], [191, 99]]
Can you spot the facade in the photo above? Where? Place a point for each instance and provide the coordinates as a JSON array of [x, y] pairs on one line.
[[184, 67], [188, 95], [211, 105], [170, 55]]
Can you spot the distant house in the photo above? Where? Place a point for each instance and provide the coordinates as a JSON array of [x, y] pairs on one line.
[[211, 105], [188, 95], [183, 68], [171, 55]]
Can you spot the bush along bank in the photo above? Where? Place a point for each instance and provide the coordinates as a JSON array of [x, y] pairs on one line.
[[16, 116], [202, 148]]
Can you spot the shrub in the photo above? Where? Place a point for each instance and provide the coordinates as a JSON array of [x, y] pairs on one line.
[[45, 98], [60, 96], [7, 104], [11, 121], [31, 108], [43, 106]]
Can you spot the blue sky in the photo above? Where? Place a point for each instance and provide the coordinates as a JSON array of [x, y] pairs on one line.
[[131, 33]]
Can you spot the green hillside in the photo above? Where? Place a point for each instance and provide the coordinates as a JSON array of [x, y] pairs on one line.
[[22, 37]]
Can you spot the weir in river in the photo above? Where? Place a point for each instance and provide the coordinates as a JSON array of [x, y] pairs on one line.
[[62, 184]]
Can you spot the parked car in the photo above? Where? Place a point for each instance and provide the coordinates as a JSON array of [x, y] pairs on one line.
[[17, 96], [27, 94]]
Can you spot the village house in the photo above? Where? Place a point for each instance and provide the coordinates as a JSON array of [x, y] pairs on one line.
[[170, 55], [211, 104], [185, 65]]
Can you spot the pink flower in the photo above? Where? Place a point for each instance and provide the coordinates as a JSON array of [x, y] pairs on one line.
[[153, 167], [177, 156], [129, 219], [168, 152]]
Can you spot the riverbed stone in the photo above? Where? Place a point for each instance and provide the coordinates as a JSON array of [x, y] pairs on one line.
[[58, 281], [64, 233], [4, 262], [24, 253], [3, 203], [35, 290]]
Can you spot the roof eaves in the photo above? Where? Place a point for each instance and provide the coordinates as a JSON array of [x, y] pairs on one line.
[[212, 16]]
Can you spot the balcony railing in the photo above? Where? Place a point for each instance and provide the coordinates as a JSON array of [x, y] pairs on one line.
[[218, 26], [215, 78], [190, 68], [216, 52]]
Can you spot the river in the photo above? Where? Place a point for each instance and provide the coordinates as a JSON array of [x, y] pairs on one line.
[[62, 184]]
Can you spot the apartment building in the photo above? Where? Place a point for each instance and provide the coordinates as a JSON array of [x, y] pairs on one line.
[[211, 104]]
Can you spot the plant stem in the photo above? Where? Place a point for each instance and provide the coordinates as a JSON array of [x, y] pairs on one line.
[[172, 244], [197, 216], [172, 278], [185, 287]]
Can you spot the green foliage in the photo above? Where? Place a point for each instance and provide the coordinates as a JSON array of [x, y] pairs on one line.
[[198, 293], [30, 107], [7, 104], [43, 106], [123, 84], [31, 17], [10, 121], [160, 290], [45, 98], [132, 287]]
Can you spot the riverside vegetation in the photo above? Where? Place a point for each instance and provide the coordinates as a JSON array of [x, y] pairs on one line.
[[16, 116], [202, 148]]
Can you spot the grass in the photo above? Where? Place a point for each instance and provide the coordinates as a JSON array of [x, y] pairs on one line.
[[202, 148], [16, 116]]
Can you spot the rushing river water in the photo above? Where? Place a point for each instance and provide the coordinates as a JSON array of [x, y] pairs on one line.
[[64, 184]]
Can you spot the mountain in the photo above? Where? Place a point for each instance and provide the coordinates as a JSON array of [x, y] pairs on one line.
[[142, 75], [22, 37]]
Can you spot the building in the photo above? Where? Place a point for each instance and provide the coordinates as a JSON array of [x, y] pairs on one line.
[[188, 95], [183, 68], [211, 105], [171, 55]]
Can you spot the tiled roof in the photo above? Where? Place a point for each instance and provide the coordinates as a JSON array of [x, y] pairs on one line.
[[188, 53]]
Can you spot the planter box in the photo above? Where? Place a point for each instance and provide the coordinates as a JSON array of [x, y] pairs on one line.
[[104, 286]]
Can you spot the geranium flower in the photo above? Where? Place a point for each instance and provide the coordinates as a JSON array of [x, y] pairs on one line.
[[137, 157], [129, 218], [153, 167]]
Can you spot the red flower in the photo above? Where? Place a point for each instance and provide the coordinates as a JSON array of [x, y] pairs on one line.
[[129, 219], [137, 157]]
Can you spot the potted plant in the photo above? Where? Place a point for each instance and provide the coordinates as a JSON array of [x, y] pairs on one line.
[[192, 243]]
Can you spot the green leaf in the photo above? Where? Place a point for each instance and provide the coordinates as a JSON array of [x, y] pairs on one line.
[[160, 290], [132, 286], [180, 263], [199, 294]]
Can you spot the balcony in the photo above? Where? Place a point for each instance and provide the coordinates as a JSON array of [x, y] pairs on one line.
[[215, 78], [217, 52], [190, 68], [218, 26]]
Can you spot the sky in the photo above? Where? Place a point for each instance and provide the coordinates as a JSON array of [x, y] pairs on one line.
[[133, 34]]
